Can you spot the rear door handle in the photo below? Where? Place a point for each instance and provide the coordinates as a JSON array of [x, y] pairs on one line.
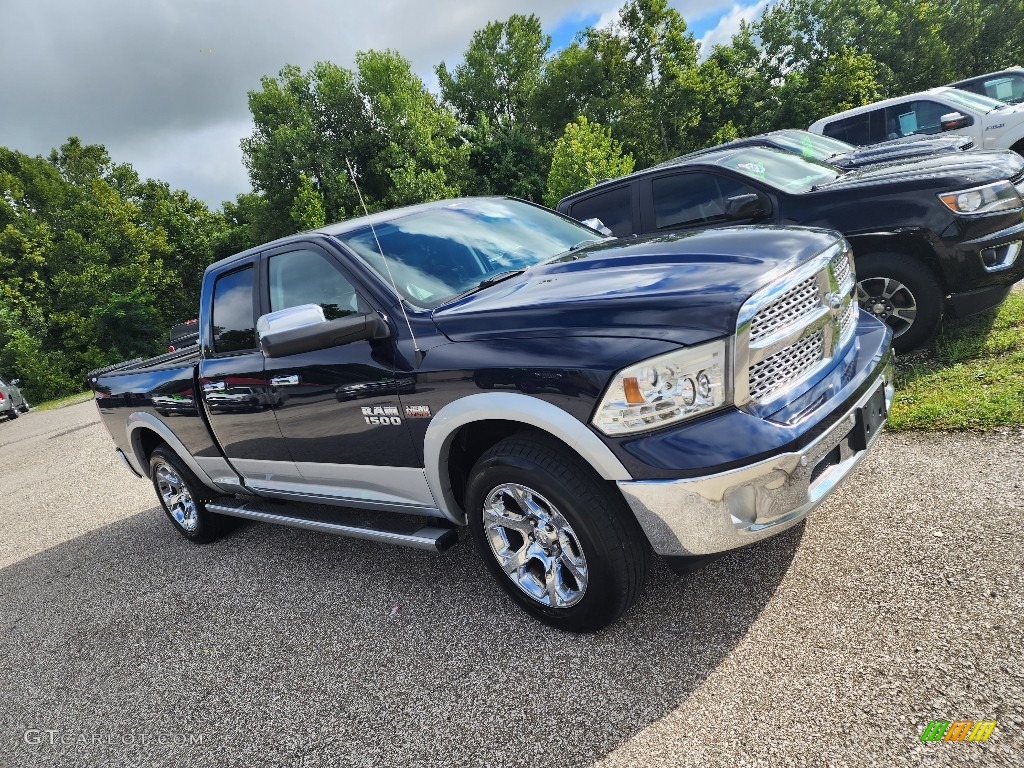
[[284, 381], [213, 386]]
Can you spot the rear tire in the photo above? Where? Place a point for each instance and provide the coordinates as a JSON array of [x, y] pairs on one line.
[[558, 539], [183, 497], [13, 413], [902, 292]]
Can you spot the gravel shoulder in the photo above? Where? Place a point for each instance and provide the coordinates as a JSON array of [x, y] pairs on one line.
[[900, 601]]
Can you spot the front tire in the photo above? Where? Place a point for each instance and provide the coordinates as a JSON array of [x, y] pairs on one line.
[[558, 539], [902, 292], [25, 408], [183, 497]]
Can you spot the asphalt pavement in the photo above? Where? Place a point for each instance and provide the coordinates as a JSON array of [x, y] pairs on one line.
[[899, 602]]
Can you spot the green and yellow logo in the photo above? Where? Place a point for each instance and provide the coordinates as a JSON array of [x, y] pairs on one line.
[[959, 730]]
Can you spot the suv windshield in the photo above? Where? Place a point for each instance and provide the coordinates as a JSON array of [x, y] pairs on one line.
[[811, 145], [972, 101], [438, 253], [782, 170]]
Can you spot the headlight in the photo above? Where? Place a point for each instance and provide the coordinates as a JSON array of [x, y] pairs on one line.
[[991, 198], [664, 390]]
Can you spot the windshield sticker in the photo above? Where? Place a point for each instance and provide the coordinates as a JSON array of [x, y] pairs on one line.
[[754, 169], [806, 147]]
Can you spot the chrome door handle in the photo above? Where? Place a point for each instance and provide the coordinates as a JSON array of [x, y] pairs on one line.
[[284, 381], [213, 386]]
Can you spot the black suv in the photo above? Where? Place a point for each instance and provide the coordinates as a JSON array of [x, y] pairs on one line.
[[934, 236]]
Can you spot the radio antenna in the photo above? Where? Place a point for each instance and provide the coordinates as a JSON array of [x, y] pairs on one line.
[[387, 265]]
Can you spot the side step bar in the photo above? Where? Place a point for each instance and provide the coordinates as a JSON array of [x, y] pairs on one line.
[[434, 539]]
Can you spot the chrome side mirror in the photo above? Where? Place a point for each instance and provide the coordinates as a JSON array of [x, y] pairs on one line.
[[305, 329]]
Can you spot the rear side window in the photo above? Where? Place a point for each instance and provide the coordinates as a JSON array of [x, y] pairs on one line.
[[234, 327], [614, 208], [859, 130]]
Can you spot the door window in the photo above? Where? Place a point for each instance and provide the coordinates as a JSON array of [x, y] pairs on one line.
[[234, 329], [687, 199], [614, 208], [912, 117], [309, 277]]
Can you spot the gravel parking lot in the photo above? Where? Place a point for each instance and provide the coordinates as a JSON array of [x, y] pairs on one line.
[[899, 602]]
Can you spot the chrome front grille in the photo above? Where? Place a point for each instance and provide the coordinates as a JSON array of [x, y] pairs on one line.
[[795, 326], [848, 322], [792, 305], [786, 365], [840, 267]]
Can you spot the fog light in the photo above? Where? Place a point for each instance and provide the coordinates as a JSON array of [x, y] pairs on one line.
[[1000, 257]]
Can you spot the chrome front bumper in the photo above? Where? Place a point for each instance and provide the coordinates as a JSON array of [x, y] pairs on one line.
[[705, 515]]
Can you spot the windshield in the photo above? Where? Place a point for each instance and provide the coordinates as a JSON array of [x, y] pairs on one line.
[[973, 101], [811, 145], [779, 169], [439, 253]]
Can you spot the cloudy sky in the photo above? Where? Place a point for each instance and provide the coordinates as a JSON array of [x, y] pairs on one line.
[[163, 83]]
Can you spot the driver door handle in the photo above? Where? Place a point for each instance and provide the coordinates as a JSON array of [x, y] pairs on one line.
[[284, 381]]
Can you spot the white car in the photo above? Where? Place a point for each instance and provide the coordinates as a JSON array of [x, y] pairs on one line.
[[991, 124]]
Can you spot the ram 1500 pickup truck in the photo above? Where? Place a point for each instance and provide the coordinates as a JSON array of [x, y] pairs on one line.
[[574, 400]]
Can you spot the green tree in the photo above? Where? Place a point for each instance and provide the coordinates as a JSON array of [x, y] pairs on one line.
[[380, 117], [499, 74], [308, 209], [585, 154]]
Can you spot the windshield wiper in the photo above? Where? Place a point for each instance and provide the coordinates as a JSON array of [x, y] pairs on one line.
[[494, 279], [487, 282]]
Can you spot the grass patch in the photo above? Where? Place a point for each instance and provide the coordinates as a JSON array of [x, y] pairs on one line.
[[970, 377], [63, 402]]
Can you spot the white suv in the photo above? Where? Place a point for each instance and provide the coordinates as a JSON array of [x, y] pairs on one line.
[[991, 124]]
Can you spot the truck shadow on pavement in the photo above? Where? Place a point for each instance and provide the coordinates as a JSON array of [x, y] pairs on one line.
[[286, 647]]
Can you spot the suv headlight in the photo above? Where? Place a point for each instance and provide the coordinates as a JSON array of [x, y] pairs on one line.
[[664, 390], [1001, 196]]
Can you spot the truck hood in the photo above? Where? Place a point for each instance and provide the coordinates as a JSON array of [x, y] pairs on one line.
[[948, 170], [686, 288], [900, 150]]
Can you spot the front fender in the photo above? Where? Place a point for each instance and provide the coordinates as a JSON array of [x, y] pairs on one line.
[[507, 406]]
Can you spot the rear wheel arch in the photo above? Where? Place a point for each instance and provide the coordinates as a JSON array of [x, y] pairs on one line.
[[146, 433]]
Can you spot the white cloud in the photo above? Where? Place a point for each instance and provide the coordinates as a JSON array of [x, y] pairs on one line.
[[163, 83], [729, 25]]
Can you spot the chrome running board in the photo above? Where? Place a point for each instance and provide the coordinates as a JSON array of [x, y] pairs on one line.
[[432, 538]]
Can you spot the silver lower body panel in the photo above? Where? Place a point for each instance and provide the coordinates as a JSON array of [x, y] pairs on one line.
[[706, 515]]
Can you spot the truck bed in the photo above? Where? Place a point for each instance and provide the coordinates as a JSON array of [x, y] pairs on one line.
[[179, 358]]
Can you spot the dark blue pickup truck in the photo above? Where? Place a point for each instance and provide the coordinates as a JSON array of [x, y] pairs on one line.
[[575, 400]]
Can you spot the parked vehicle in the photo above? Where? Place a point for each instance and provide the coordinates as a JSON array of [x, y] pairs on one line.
[[1005, 85], [989, 123], [183, 335], [931, 237], [12, 402], [574, 400], [825, 149]]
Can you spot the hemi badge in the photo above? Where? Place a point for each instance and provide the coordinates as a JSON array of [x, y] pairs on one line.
[[417, 411]]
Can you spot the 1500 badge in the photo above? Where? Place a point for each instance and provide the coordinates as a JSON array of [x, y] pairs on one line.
[[385, 415]]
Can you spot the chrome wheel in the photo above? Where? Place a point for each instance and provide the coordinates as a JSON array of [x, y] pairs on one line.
[[535, 545], [890, 301], [176, 497]]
